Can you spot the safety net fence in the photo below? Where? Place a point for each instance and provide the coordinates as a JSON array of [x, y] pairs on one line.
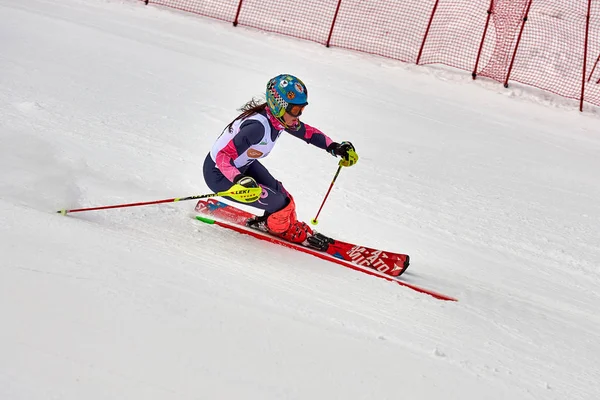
[[553, 45]]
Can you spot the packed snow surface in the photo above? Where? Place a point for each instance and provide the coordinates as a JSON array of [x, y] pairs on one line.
[[493, 192]]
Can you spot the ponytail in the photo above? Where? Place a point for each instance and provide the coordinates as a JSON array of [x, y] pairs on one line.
[[253, 106]]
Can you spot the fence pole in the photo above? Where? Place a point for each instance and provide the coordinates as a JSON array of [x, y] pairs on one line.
[[512, 61], [487, 23], [427, 31], [237, 13], [337, 10], [585, 51]]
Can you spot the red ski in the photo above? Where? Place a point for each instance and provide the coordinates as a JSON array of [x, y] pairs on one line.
[[230, 217], [389, 263]]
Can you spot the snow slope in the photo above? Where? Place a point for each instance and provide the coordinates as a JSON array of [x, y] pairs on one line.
[[494, 194]]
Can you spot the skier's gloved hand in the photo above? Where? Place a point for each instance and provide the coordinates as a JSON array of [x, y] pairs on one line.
[[346, 151], [245, 181]]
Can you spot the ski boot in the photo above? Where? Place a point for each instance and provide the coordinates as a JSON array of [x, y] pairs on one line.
[[298, 232], [319, 241], [259, 223]]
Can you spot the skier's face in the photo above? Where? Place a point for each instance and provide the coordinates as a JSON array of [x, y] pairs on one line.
[[290, 120]]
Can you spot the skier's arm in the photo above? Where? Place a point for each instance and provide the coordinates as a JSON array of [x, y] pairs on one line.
[[312, 135], [317, 138], [251, 132]]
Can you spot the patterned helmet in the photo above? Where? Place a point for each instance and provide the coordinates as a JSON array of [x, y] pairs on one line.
[[286, 93]]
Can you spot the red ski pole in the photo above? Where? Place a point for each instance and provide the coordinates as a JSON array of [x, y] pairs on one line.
[[314, 221], [236, 192]]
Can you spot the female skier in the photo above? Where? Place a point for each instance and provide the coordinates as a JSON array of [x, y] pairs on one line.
[[251, 136]]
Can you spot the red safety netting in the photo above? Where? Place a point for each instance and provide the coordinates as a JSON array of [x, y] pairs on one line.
[[592, 76], [541, 43], [388, 28], [506, 22], [310, 20], [550, 54], [455, 25]]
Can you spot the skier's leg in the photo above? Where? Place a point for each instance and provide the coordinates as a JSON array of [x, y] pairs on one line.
[[273, 197], [285, 224], [214, 178], [278, 204], [280, 216]]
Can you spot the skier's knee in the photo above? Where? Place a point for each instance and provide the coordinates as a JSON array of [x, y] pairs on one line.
[[280, 221]]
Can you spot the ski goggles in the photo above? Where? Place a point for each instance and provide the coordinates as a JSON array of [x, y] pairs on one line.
[[295, 110]]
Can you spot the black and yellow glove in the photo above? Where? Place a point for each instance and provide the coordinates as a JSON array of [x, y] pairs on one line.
[[346, 151]]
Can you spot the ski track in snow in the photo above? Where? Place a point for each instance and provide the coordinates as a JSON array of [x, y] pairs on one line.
[[493, 193]]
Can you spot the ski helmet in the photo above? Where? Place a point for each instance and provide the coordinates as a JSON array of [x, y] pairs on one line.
[[286, 93]]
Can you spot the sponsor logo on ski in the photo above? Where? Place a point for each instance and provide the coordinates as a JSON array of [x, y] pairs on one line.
[[364, 257]]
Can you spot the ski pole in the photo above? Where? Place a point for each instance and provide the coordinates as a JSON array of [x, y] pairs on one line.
[[314, 221], [236, 192]]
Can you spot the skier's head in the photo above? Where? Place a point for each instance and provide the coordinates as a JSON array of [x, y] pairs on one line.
[[286, 93]]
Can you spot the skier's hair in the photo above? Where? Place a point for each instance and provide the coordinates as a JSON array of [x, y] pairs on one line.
[[251, 107]]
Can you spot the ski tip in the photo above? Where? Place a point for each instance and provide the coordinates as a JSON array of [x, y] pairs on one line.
[[405, 265], [205, 220]]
